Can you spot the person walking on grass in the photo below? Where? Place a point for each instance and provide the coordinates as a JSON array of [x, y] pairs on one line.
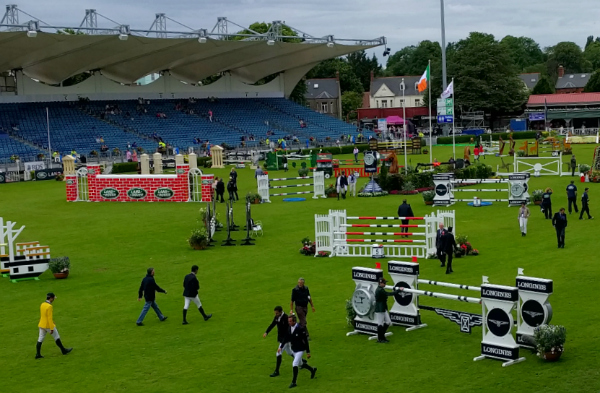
[[281, 321], [404, 210], [547, 203], [234, 175], [585, 208], [190, 294], [297, 337], [449, 245], [573, 165], [559, 221], [572, 196], [355, 152], [46, 325], [341, 184], [301, 296], [220, 190], [148, 290], [523, 217]]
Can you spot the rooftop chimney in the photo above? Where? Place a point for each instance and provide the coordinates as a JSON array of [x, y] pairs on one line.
[[561, 71], [337, 76], [372, 76]]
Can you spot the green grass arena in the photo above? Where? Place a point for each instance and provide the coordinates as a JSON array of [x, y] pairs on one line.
[[112, 244]]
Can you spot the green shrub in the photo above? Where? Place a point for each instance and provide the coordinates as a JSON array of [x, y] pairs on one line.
[[125, 167]]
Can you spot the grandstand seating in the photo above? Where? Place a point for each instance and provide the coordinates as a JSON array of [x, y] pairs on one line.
[[78, 125]]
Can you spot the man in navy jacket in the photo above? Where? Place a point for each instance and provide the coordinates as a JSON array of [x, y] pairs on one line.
[[190, 294], [298, 340], [148, 290]]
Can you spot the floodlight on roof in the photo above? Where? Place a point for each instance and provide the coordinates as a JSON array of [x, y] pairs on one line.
[[32, 28], [202, 36], [330, 41], [124, 32], [270, 42]]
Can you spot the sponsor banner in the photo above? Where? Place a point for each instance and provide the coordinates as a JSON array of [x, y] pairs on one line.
[[525, 340], [499, 352], [405, 319], [109, 193], [164, 193], [441, 189], [408, 268], [536, 116], [465, 320], [498, 322], [520, 176], [499, 292], [366, 327], [207, 182], [166, 163], [47, 174], [370, 275], [136, 193], [403, 298], [539, 285], [370, 159], [34, 166], [443, 177], [533, 313]]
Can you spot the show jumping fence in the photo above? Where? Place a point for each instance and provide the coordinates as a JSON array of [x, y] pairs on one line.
[[318, 186]]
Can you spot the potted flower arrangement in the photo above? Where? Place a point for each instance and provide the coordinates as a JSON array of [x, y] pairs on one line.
[[14, 158], [60, 267], [428, 197], [322, 254], [40, 156], [302, 172], [350, 313], [331, 191], [253, 198], [198, 240], [550, 341], [584, 168], [93, 153], [537, 197], [308, 248], [465, 247]]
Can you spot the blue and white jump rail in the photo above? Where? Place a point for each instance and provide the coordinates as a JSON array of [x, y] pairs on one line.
[[529, 298], [333, 234], [445, 187], [318, 186]]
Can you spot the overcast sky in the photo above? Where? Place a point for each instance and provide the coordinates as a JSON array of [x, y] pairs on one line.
[[403, 22]]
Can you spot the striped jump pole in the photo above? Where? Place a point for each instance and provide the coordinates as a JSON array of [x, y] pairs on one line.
[[385, 218], [439, 295], [478, 181], [382, 226], [384, 241], [382, 233], [481, 190], [292, 193], [449, 285], [292, 185], [291, 178], [482, 200]]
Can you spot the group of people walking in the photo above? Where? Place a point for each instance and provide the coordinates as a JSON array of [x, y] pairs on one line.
[[346, 184], [219, 187], [292, 333], [559, 219]]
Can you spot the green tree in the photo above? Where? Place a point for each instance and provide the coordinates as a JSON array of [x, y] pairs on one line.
[[589, 40], [523, 51], [485, 77], [592, 54], [593, 84], [363, 66], [328, 68], [299, 93], [262, 28], [413, 60], [544, 86], [351, 101], [570, 56]]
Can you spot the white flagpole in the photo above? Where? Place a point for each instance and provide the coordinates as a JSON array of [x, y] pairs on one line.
[[453, 114], [430, 130], [48, 128], [404, 126]]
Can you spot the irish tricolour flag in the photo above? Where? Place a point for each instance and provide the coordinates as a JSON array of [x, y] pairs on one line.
[[424, 81]]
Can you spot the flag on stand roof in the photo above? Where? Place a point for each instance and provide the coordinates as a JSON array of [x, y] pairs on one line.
[[424, 81], [449, 91]]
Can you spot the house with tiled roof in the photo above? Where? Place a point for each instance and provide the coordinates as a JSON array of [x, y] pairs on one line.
[[386, 92], [530, 79], [324, 96], [571, 83]]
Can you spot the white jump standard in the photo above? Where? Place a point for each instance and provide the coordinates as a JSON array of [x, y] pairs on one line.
[[318, 184]]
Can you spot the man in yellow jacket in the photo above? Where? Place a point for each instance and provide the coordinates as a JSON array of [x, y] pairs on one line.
[[47, 325]]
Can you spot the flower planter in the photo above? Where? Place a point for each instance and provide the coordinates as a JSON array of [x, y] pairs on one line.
[[334, 195], [552, 356], [198, 247], [537, 202], [256, 202], [61, 275], [429, 203]]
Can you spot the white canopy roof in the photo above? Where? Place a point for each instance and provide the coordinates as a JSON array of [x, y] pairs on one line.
[[52, 58]]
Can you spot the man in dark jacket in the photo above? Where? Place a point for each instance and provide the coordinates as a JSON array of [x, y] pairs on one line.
[[448, 245], [572, 197], [404, 210], [341, 185], [148, 291], [231, 188], [301, 296], [298, 340], [559, 221], [573, 165], [585, 207], [382, 317], [220, 189], [233, 175], [439, 244], [281, 321], [190, 294]]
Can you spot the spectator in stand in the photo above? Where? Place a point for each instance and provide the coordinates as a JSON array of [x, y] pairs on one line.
[[128, 156], [210, 115], [134, 156]]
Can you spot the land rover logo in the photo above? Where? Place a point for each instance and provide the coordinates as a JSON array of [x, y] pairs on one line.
[[41, 175], [498, 322], [91, 172], [441, 189], [137, 193], [206, 182], [403, 298], [109, 193], [533, 313], [164, 193], [180, 171], [69, 182]]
